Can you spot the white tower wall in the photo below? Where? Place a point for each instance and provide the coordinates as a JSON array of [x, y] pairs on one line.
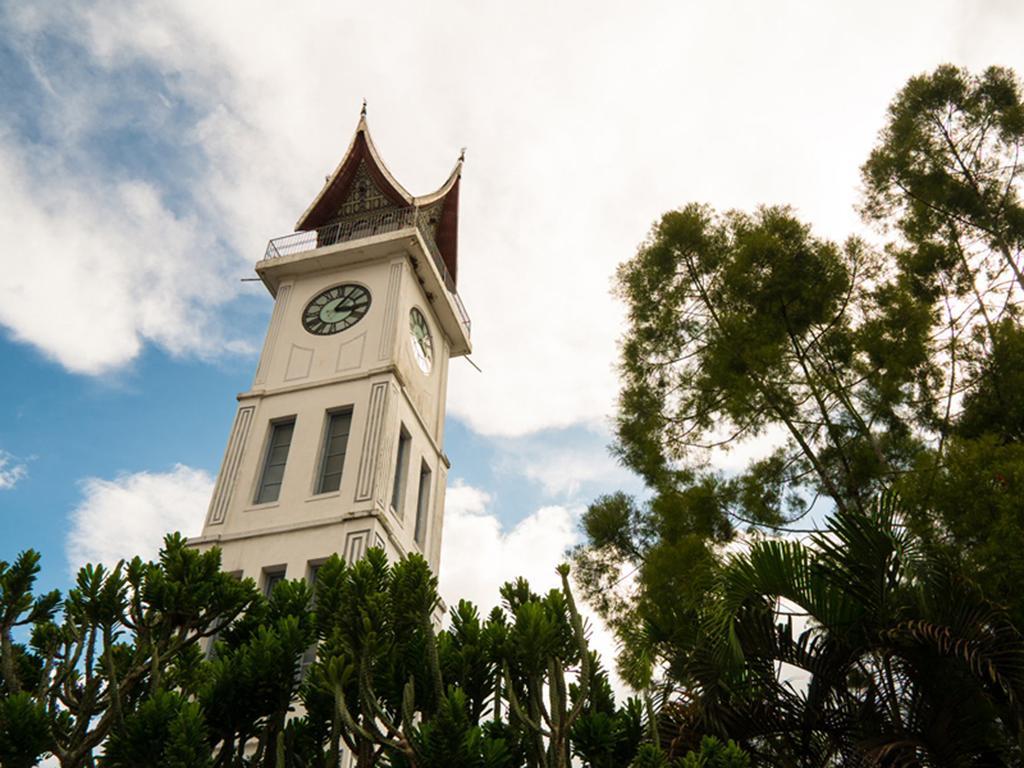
[[369, 368]]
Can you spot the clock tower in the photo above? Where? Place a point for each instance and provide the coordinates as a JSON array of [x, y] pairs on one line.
[[337, 446]]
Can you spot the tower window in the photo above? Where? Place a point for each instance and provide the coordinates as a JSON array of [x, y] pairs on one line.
[[401, 471], [335, 444], [422, 505], [271, 578], [314, 571], [273, 466]]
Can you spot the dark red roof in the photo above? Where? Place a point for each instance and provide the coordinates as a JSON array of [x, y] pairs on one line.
[[324, 209]]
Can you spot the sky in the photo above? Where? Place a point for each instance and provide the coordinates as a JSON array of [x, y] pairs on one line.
[[148, 151]]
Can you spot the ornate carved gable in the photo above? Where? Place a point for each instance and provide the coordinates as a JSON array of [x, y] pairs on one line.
[[362, 186], [429, 218], [364, 195], [361, 183]]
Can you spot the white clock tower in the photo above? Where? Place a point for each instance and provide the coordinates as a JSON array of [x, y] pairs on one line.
[[337, 447]]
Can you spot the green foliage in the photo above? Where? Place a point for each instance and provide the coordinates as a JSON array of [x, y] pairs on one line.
[[670, 561], [468, 656], [545, 638], [867, 369], [379, 650], [650, 756], [173, 663], [406, 694], [19, 608], [969, 508], [714, 754], [187, 745], [165, 730], [946, 170], [24, 731], [250, 684], [745, 324], [947, 692], [123, 633], [946, 177], [605, 736], [452, 737], [994, 405]]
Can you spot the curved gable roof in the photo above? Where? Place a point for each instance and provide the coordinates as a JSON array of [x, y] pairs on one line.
[[338, 184], [440, 208]]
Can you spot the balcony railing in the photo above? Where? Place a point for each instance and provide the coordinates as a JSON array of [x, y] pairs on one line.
[[367, 225]]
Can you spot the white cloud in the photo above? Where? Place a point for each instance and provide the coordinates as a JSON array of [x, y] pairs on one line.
[[582, 128], [12, 470], [129, 515], [478, 555], [565, 468], [103, 268]]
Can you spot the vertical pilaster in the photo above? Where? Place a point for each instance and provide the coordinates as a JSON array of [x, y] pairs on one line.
[[276, 318], [387, 337], [368, 458], [433, 553], [228, 474]]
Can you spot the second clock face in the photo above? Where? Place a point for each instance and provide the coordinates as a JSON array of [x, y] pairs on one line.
[[336, 309], [422, 343]]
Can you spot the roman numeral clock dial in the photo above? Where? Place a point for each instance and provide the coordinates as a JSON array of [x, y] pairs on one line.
[[336, 309]]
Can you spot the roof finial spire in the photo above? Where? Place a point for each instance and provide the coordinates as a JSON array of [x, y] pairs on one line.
[[362, 112], [462, 154]]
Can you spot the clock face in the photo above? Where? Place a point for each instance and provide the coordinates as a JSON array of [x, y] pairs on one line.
[[336, 309], [422, 343]]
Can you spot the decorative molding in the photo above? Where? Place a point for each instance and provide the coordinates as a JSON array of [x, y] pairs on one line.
[[442, 388], [355, 545], [387, 450], [350, 353], [437, 523], [430, 218], [371, 441], [387, 334], [378, 541], [300, 360], [276, 318], [229, 466], [379, 370], [293, 527], [364, 195]]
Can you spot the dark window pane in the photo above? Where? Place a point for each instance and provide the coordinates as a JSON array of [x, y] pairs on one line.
[[422, 505], [273, 467], [333, 464], [272, 579], [340, 422], [278, 455], [269, 493], [283, 434], [335, 445], [331, 483], [401, 470], [274, 474]]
